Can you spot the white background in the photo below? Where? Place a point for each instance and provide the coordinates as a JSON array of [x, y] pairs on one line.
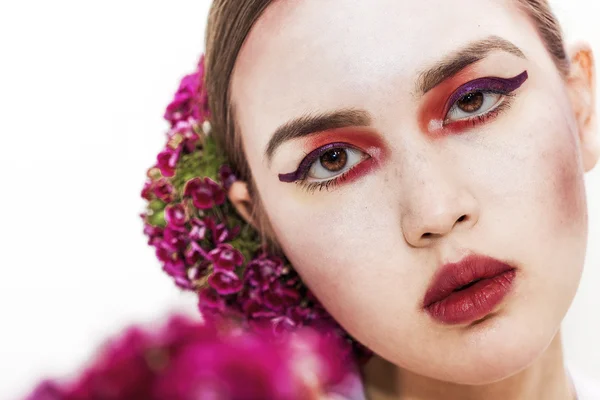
[[83, 86]]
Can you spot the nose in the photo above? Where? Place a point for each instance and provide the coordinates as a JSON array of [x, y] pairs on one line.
[[437, 206]]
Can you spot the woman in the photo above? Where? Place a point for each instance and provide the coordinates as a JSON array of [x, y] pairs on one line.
[[438, 151]]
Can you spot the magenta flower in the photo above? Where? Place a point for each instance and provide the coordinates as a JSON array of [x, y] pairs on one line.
[[225, 282], [183, 135], [198, 230], [154, 233], [175, 237], [175, 215], [279, 297], [194, 253], [220, 233], [210, 300], [147, 190], [261, 272], [225, 258], [164, 190], [205, 193], [226, 176], [191, 99], [166, 161]]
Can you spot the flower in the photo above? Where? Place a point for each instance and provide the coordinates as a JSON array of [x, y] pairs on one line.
[[205, 193], [204, 246], [175, 215], [190, 100], [187, 360], [164, 190], [225, 258], [226, 176], [261, 272], [166, 161], [184, 136], [225, 282]]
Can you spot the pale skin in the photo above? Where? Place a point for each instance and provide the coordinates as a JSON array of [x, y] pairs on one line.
[[511, 188]]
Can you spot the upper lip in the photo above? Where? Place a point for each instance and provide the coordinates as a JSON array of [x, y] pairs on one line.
[[470, 269]]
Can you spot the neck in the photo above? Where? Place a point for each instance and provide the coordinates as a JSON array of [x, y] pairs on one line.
[[546, 378]]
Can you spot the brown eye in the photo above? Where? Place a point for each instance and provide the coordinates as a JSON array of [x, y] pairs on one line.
[[334, 160], [471, 102]]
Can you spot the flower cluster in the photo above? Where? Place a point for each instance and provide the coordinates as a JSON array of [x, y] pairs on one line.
[[186, 360], [203, 244]]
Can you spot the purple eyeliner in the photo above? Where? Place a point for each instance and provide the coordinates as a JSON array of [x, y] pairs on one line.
[[494, 85], [307, 162]]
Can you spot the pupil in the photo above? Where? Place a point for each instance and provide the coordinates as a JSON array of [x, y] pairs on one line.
[[334, 160], [471, 102]]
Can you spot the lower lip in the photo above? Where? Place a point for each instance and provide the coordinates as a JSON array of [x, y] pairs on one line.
[[473, 303]]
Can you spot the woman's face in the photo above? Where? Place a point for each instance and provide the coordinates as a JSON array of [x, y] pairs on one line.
[[431, 177]]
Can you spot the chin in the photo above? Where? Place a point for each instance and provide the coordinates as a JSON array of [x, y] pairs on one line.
[[483, 353], [496, 350]]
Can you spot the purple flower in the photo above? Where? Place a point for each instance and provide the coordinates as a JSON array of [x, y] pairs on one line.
[[220, 233], [191, 100], [261, 272], [198, 230], [154, 233], [147, 190], [164, 190], [226, 176], [279, 297], [47, 390], [175, 215], [175, 237], [209, 299], [184, 136], [166, 161], [194, 253], [205, 193], [225, 258], [225, 282]]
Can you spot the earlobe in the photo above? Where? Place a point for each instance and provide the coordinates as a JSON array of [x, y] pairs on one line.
[[581, 84], [239, 196]]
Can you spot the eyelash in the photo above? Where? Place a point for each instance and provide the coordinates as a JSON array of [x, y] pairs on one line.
[[311, 187], [504, 104]]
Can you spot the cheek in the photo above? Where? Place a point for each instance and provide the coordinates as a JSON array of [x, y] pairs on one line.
[[564, 175], [569, 186]]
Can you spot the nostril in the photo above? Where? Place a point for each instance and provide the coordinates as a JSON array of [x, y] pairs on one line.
[[461, 219]]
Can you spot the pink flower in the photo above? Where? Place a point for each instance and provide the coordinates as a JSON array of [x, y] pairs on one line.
[[175, 215], [225, 258], [225, 282], [261, 272], [166, 161], [191, 99], [198, 230], [164, 190], [205, 193], [226, 176], [184, 135]]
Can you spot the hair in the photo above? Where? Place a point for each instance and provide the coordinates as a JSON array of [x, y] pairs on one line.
[[230, 22]]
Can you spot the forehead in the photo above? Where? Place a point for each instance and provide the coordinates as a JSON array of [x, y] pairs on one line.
[[319, 55]]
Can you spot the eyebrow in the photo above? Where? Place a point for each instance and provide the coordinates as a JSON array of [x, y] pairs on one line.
[[307, 124], [427, 80], [461, 59]]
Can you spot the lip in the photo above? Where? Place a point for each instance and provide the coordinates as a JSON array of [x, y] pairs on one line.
[[447, 299]]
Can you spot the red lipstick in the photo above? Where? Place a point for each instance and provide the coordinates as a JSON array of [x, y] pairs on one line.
[[468, 290]]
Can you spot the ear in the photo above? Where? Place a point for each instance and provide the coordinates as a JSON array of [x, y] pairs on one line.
[[239, 196], [581, 85]]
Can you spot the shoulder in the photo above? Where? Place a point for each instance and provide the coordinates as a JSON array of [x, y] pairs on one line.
[[585, 387]]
